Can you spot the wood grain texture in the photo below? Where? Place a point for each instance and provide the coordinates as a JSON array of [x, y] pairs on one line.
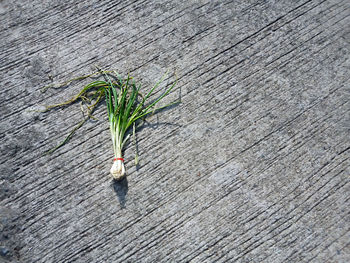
[[252, 166]]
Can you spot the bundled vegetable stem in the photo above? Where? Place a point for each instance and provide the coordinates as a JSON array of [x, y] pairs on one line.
[[124, 110], [125, 106]]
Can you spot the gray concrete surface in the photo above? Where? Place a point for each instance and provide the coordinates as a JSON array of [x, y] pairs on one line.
[[253, 166]]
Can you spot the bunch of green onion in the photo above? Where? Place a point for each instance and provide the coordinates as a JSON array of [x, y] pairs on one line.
[[125, 106], [124, 110]]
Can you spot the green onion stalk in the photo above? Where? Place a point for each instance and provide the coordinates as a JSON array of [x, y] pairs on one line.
[[125, 106], [124, 110]]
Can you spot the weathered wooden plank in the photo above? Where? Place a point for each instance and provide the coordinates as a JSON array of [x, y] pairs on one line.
[[252, 166]]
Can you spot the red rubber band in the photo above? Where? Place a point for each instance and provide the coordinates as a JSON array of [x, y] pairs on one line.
[[119, 159]]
